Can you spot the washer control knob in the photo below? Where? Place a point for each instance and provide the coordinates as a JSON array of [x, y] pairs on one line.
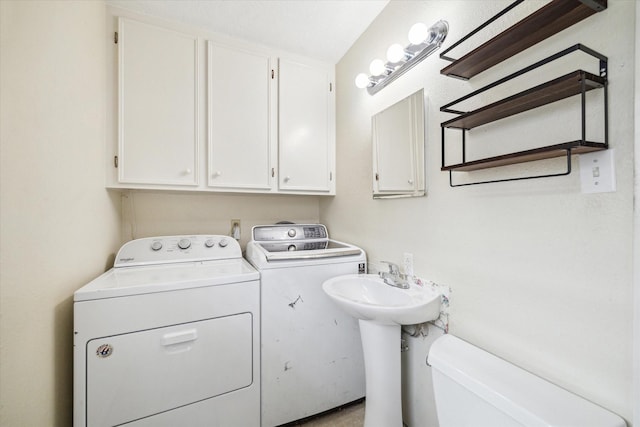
[[292, 232], [184, 243], [209, 243], [223, 243], [156, 245], [291, 248]]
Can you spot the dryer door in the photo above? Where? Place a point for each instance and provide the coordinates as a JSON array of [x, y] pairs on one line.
[[139, 374]]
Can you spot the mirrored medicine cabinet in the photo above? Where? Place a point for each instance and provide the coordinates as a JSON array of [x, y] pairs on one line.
[[398, 140]]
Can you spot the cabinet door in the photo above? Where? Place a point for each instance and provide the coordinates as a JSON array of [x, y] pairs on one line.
[[306, 128], [240, 131], [392, 133], [398, 148], [158, 95]]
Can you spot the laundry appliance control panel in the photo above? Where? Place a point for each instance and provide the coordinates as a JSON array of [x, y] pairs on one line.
[[279, 232], [164, 249]]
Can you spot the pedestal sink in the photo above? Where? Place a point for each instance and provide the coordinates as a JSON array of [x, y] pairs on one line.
[[381, 309]]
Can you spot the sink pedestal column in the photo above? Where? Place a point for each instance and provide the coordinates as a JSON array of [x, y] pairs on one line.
[[381, 347]]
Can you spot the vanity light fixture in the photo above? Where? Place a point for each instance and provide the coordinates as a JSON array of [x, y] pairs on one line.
[[423, 41]]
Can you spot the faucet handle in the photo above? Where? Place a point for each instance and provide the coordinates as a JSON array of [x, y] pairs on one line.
[[393, 268]]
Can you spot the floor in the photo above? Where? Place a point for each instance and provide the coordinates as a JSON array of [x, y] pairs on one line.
[[351, 416]]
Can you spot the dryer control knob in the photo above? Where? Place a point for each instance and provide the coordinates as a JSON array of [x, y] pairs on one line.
[[156, 245], [292, 232], [184, 244], [209, 243], [223, 243]]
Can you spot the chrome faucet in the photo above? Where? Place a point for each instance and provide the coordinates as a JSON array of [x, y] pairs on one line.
[[393, 277]]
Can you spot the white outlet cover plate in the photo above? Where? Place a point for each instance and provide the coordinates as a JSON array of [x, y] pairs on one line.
[[597, 171]]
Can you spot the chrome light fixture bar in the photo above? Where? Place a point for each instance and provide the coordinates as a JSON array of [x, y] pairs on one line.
[[423, 42]]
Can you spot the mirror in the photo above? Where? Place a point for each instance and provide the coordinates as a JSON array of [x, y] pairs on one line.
[[398, 134]]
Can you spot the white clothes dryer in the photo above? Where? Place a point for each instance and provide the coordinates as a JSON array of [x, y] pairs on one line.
[[169, 336], [312, 358]]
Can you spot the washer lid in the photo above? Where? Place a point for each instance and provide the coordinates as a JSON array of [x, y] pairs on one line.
[[119, 282], [295, 242], [274, 251]]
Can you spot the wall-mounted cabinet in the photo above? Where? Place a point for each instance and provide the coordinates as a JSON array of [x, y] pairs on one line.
[[200, 114], [398, 141]]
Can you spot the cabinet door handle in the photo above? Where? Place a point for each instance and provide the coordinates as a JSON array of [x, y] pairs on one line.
[[287, 178], [410, 181], [273, 172]]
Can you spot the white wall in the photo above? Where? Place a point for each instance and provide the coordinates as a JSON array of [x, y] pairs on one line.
[[159, 214], [541, 273], [59, 226]]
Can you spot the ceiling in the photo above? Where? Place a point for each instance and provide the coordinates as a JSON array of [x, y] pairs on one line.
[[319, 29]]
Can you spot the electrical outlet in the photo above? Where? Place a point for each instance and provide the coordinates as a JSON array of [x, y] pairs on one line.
[[235, 229], [597, 172], [407, 263]]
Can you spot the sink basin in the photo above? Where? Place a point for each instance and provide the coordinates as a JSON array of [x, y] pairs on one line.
[[381, 311], [368, 297]]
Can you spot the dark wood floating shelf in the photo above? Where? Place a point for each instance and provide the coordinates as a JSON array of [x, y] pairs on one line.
[[545, 22], [546, 93], [558, 150]]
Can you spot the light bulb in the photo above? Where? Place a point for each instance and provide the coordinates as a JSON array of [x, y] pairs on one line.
[[362, 80], [418, 33], [395, 53], [377, 67]]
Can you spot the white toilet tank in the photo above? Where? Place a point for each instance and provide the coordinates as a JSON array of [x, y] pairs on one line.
[[474, 388]]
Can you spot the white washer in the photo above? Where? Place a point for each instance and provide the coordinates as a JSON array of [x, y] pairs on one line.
[[169, 336], [311, 350]]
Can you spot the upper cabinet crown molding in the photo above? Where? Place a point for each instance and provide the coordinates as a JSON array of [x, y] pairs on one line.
[[199, 112]]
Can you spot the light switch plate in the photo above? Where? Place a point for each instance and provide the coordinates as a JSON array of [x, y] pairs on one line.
[[597, 171]]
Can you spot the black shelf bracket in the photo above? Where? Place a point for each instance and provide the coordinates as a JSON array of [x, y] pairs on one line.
[[572, 84], [493, 181], [603, 69], [444, 56], [548, 20]]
